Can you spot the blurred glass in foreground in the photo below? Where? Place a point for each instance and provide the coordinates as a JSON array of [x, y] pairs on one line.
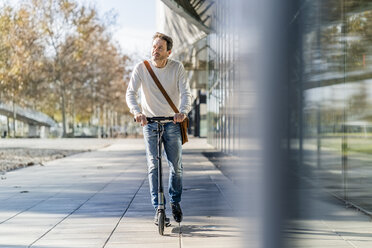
[[296, 109]]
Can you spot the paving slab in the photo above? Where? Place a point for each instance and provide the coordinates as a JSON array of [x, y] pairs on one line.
[[101, 199]]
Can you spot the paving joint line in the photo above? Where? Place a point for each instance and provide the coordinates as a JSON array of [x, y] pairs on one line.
[[221, 192], [67, 216], [334, 195], [125, 211], [75, 209], [31, 207], [339, 235], [180, 235]]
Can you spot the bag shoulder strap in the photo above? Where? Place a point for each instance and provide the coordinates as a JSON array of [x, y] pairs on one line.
[[157, 82]]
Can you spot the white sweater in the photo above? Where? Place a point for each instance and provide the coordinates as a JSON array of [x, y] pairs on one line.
[[153, 103]]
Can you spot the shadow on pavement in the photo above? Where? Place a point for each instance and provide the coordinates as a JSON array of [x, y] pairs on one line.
[[206, 231]]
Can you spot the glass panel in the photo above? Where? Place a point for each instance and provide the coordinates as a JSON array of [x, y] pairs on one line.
[[337, 90], [324, 54], [358, 101]]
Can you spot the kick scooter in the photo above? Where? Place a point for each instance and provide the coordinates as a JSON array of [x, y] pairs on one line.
[[161, 207]]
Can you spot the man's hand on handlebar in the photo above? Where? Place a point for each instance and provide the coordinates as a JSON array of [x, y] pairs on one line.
[[179, 117], [141, 118]]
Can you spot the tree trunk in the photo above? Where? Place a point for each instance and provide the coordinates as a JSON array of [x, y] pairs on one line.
[[63, 109], [8, 127], [73, 110], [14, 119], [104, 117]]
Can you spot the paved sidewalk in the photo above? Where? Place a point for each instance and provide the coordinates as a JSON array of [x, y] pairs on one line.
[[101, 199]]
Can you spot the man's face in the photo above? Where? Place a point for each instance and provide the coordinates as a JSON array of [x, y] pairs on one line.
[[159, 49]]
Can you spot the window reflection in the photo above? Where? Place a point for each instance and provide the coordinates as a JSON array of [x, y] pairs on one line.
[[337, 93]]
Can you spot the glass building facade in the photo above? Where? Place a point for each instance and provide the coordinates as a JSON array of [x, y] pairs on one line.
[[191, 48], [329, 89], [222, 86], [336, 84], [207, 52]]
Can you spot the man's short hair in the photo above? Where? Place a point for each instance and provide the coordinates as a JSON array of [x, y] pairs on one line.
[[168, 39]]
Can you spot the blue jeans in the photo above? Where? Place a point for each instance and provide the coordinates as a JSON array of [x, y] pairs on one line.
[[172, 143]]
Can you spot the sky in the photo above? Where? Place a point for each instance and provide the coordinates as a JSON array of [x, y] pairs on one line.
[[136, 23]]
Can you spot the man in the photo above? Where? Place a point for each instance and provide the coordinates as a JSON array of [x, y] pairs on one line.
[[171, 75]]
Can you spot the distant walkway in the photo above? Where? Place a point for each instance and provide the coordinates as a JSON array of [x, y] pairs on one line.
[[29, 116], [101, 199]]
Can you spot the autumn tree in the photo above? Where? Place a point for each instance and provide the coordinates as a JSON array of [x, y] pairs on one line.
[[59, 57], [20, 57], [85, 62]]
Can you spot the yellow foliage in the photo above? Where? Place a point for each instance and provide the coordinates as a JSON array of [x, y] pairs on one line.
[[72, 57]]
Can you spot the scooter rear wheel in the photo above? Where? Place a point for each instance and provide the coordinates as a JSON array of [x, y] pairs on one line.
[[161, 222]]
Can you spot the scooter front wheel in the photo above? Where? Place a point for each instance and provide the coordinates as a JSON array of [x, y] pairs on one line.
[[161, 222]]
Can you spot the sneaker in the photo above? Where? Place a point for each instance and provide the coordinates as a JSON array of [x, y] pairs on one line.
[[177, 212], [156, 220]]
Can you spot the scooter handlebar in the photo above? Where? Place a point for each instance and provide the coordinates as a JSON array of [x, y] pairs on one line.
[[158, 118]]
